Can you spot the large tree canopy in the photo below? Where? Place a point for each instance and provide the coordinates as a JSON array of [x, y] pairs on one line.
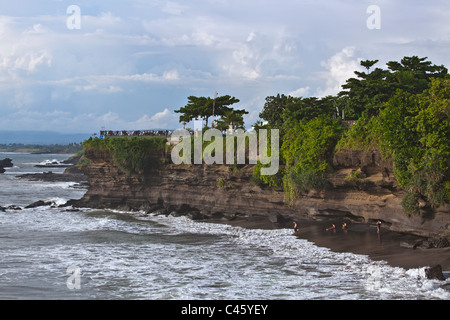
[[372, 89], [309, 108], [273, 109], [235, 118], [203, 108]]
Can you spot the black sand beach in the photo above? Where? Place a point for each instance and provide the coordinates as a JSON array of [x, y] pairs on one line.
[[386, 245], [359, 238]]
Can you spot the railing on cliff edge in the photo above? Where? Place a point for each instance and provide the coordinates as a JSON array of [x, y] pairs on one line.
[[163, 133], [135, 133]]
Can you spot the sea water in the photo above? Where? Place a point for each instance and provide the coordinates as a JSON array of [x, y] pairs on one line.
[[55, 253]]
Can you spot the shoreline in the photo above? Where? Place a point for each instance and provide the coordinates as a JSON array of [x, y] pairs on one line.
[[388, 246], [392, 247]]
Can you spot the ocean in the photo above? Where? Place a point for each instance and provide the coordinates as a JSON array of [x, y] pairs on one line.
[[57, 253]]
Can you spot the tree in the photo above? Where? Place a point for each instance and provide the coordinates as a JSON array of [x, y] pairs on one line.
[[202, 107], [368, 64], [413, 74], [273, 109], [305, 109], [193, 110], [369, 92], [234, 118], [415, 130]]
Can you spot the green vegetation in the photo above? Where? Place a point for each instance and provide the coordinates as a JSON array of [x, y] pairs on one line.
[[307, 152], [220, 183], [271, 180], [353, 177], [71, 148], [84, 161], [415, 129], [205, 107], [364, 135], [368, 93], [133, 154], [403, 112]]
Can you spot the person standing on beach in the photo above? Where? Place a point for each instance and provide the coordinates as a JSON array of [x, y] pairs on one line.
[[295, 227], [378, 226]]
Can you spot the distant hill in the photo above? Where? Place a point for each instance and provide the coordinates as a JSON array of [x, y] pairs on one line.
[[41, 137]]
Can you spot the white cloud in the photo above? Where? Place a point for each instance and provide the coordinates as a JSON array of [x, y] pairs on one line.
[[100, 89], [138, 60], [161, 116], [300, 92], [21, 99], [340, 67], [109, 117], [264, 55], [173, 8], [160, 120], [67, 121], [22, 52], [108, 84], [37, 29], [170, 75]]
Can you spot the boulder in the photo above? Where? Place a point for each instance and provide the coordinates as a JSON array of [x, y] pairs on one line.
[[11, 207], [6, 163], [14, 207], [434, 272], [441, 243], [39, 203], [196, 215], [2, 170]]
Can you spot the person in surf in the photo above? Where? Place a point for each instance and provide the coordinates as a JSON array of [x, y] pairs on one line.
[[295, 227]]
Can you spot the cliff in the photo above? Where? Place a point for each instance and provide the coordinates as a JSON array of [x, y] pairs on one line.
[[363, 190]]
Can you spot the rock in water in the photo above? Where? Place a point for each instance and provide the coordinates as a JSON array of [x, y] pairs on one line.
[[6, 163], [39, 203], [434, 272]]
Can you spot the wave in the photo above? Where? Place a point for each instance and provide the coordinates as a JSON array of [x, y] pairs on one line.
[[318, 263], [191, 259]]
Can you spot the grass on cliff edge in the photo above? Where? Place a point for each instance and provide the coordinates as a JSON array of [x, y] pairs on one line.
[[133, 154]]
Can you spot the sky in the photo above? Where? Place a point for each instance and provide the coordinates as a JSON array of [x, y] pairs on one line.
[[82, 66]]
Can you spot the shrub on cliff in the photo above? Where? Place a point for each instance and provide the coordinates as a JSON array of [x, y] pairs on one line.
[[415, 130], [133, 154], [307, 152], [364, 135]]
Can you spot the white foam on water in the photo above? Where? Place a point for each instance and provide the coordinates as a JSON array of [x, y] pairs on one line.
[[138, 256], [341, 275]]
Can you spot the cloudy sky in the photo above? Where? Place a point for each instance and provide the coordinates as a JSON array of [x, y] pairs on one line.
[[130, 64]]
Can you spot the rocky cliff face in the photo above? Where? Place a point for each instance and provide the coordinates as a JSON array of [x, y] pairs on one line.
[[364, 190]]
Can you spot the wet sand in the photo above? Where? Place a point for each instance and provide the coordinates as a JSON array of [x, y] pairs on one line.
[[364, 239], [360, 239]]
